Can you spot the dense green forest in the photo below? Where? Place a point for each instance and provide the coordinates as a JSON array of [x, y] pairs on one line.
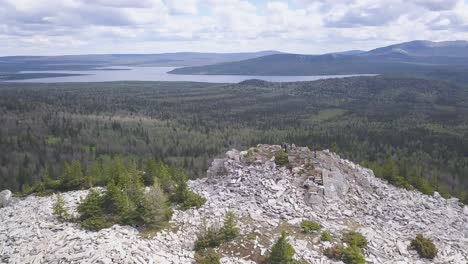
[[408, 130]]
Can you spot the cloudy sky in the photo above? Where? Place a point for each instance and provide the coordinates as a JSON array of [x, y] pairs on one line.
[[48, 27]]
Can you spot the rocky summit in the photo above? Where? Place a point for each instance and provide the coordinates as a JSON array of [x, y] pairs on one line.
[[267, 199]]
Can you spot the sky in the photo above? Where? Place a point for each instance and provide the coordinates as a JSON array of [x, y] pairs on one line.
[[56, 27]]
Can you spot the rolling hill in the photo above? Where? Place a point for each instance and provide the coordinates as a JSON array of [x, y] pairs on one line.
[[87, 62], [416, 57]]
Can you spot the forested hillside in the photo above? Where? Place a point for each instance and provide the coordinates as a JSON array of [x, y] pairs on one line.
[[410, 131], [423, 58], [14, 64]]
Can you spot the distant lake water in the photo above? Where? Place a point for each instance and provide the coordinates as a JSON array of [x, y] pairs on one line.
[[124, 73]]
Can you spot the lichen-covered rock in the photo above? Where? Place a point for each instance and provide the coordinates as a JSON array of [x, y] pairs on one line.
[[336, 185], [5, 198], [216, 169], [233, 154]]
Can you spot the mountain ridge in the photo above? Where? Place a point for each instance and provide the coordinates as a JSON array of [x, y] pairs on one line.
[[94, 61], [427, 48], [417, 57]]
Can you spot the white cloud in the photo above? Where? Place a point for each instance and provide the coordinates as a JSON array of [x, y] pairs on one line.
[[182, 7], [308, 26], [119, 3], [438, 5]]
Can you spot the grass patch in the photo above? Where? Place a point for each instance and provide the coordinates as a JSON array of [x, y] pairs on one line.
[[326, 236], [425, 247], [281, 158], [53, 140], [310, 226], [326, 115]]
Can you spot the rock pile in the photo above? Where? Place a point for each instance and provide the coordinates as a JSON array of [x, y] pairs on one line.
[[319, 186], [349, 198]]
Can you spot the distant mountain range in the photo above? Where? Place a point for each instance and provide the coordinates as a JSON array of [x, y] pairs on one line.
[[88, 62], [416, 57], [420, 48], [442, 60]]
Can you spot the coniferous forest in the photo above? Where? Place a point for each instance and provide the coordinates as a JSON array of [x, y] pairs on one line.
[[412, 132]]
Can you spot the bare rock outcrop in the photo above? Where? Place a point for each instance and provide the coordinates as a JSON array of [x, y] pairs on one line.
[[267, 198], [341, 196]]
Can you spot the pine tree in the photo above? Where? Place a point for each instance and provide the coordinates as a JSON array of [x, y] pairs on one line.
[[49, 184], [115, 202], [165, 178], [108, 172], [353, 255], [91, 212], [78, 181], [120, 172], [152, 171], [76, 169], [94, 175], [91, 206], [181, 193], [155, 207], [59, 209], [131, 184], [208, 237], [282, 252], [66, 176], [72, 177], [230, 230]]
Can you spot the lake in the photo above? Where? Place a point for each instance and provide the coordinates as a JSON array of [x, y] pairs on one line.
[[111, 74]]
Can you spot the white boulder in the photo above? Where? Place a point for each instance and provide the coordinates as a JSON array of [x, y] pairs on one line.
[[5, 198]]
